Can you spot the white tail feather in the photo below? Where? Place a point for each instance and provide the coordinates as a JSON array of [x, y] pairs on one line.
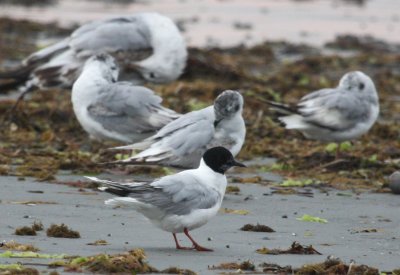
[[294, 122]]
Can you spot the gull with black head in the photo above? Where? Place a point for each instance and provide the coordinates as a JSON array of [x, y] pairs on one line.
[[181, 202]]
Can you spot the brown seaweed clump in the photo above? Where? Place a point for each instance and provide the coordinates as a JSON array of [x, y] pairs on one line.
[[131, 262], [257, 228], [12, 270], [25, 231], [295, 248], [37, 226], [176, 270], [29, 230], [246, 265], [330, 266], [336, 266], [61, 231], [13, 245]]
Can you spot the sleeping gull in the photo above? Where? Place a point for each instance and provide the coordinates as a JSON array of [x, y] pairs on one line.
[[148, 46], [182, 142], [180, 202], [119, 111], [334, 114]]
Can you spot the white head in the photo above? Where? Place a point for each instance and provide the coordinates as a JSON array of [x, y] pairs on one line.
[[105, 65], [358, 82], [169, 50], [228, 104]]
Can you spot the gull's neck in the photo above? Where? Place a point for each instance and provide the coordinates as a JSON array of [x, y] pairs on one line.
[[209, 177]]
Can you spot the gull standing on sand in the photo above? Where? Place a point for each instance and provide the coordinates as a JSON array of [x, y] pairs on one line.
[[180, 202], [334, 114], [182, 142], [112, 110], [148, 46]]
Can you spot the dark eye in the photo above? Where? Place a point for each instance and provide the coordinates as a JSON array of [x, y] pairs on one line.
[[113, 68], [361, 86], [152, 75], [236, 108]]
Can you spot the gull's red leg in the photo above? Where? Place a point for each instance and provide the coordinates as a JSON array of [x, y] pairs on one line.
[[178, 245], [195, 245]]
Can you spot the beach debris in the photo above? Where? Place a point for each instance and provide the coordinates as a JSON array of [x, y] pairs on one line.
[[296, 248], [17, 269], [254, 179], [245, 265], [366, 230], [234, 211], [31, 254], [13, 245], [61, 231], [25, 231], [298, 183], [37, 226], [98, 242], [309, 218], [333, 265], [32, 203], [257, 228], [232, 190], [271, 268]]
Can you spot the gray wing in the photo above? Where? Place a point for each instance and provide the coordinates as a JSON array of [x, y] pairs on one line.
[[122, 34], [177, 194], [184, 135], [334, 109], [127, 109]]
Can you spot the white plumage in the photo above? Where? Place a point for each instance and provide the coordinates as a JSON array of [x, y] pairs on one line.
[[181, 202], [110, 110], [147, 46]]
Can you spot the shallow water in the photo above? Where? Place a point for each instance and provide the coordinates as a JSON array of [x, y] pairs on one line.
[[232, 22]]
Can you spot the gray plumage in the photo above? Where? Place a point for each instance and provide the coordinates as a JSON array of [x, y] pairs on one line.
[[116, 110], [181, 202], [182, 142], [147, 46], [174, 195], [336, 114]]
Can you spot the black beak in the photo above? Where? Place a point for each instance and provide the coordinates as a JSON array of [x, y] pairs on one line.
[[238, 164]]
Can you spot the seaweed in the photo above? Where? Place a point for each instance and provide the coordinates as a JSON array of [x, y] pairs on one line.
[[245, 265], [25, 231], [129, 262], [17, 269], [13, 245], [43, 136], [257, 228], [334, 265], [295, 248], [62, 231]]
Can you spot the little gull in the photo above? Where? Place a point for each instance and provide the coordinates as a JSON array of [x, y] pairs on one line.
[[182, 142], [180, 202], [334, 114], [113, 110], [148, 47]]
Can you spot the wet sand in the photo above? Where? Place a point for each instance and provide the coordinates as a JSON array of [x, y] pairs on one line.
[[125, 229]]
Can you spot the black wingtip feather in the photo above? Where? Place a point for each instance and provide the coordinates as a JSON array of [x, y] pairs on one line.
[[116, 191]]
